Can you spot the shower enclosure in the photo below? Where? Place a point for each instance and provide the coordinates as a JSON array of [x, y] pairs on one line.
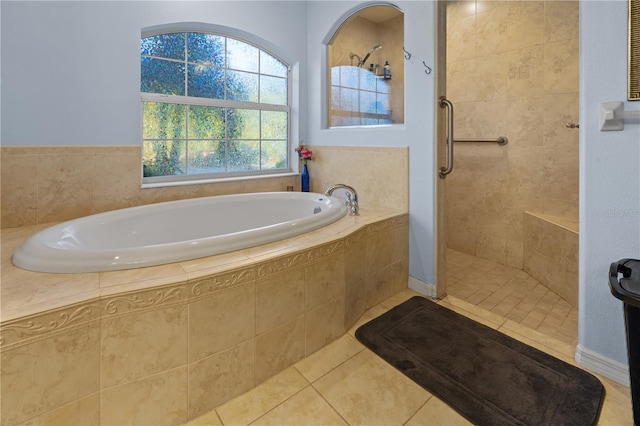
[[511, 69]]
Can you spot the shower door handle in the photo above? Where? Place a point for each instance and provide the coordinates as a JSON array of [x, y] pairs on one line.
[[444, 171]]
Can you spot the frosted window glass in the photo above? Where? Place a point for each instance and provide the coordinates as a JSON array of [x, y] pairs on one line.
[[242, 56]]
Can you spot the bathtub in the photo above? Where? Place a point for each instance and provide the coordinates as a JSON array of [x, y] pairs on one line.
[[173, 231]]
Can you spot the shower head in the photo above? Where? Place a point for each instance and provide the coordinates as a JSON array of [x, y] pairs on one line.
[[373, 49]]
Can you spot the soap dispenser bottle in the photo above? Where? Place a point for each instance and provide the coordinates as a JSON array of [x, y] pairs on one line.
[[387, 70]]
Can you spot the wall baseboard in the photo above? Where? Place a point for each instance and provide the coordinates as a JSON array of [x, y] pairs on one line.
[[425, 289], [607, 367]]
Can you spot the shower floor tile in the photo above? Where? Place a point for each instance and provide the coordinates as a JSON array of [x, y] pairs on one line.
[[512, 294]]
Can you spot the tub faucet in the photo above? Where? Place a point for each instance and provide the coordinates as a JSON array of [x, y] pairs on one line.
[[352, 201]]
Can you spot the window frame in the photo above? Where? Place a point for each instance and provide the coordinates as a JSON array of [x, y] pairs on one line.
[[183, 179]]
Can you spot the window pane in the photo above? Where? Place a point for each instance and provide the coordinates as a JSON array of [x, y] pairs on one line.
[[349, 99], [243, 156], [206, 157], [273, 90], [368, 81], [383, 86], [242, 86], [164, 158], [274, 125], [163, 121], [271, 65], [368, 102], [206, 122], [350, 76], [243, 123], [160, 76], [205, 82], [205, 48], [165, 46], [274, 155], [384, 104], [242, 56]]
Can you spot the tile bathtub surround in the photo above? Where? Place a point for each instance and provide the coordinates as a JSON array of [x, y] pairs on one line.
[[512, 69], [43, 184], [135, 352]]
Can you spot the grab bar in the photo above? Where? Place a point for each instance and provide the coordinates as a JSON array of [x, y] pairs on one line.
[[444, 171], [500, 140]]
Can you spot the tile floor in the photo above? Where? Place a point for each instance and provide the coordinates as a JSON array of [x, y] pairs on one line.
[[512, 294], [346, 384]]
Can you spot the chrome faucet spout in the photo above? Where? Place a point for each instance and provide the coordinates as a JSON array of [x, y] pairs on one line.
[[352, 197]]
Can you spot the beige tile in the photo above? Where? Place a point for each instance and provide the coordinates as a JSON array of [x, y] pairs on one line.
[[138, 278], [560, 109], [65, 187], [367, 390], [560, 20], [617, 406], [491, 28], [470, 311], [218, 378], [461, 38], [326, 359], [304, 408], [139, 345], [247, 407], [19, 190], [279, 299], [370, 314], [525, 24], [561, 63], [117, 179], [221, 321], [208, 419], [526, 72], [160, 399], [491, 74], [437, 413], [324, 280], [83, 412], [323, 325], [525, 118], [50, 373], [279, 348], [388, 281]]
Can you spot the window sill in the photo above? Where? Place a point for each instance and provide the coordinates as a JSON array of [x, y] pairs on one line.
[[217, 180]]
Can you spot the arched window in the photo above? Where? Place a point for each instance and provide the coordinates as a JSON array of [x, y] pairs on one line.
[[212, 106]]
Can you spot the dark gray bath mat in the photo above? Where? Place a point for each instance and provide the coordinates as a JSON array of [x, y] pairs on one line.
[[488, 377]]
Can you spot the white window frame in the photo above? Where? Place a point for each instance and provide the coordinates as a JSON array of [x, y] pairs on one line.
[[154, 181]]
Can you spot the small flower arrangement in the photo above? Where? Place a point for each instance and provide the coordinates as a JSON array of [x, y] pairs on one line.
[[304, 154]]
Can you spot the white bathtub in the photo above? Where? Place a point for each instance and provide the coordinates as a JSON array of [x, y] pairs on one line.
[[173, 231]]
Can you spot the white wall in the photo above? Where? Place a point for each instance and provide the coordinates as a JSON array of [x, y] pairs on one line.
[[418, 129], [71, 70], [609, 177]]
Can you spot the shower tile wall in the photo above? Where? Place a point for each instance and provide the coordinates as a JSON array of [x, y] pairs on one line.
[[512, 69]]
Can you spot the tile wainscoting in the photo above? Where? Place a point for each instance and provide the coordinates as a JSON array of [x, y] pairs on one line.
[[44, 184]]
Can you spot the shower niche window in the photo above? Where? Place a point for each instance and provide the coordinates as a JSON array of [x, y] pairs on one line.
[[366, 69]]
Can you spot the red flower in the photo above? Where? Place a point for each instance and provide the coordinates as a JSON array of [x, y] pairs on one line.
[[304, 154]]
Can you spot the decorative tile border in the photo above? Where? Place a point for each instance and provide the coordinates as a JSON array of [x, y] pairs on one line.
[[207, 286], [143, 300], [273, 267], [318, 253], [44, 325]]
